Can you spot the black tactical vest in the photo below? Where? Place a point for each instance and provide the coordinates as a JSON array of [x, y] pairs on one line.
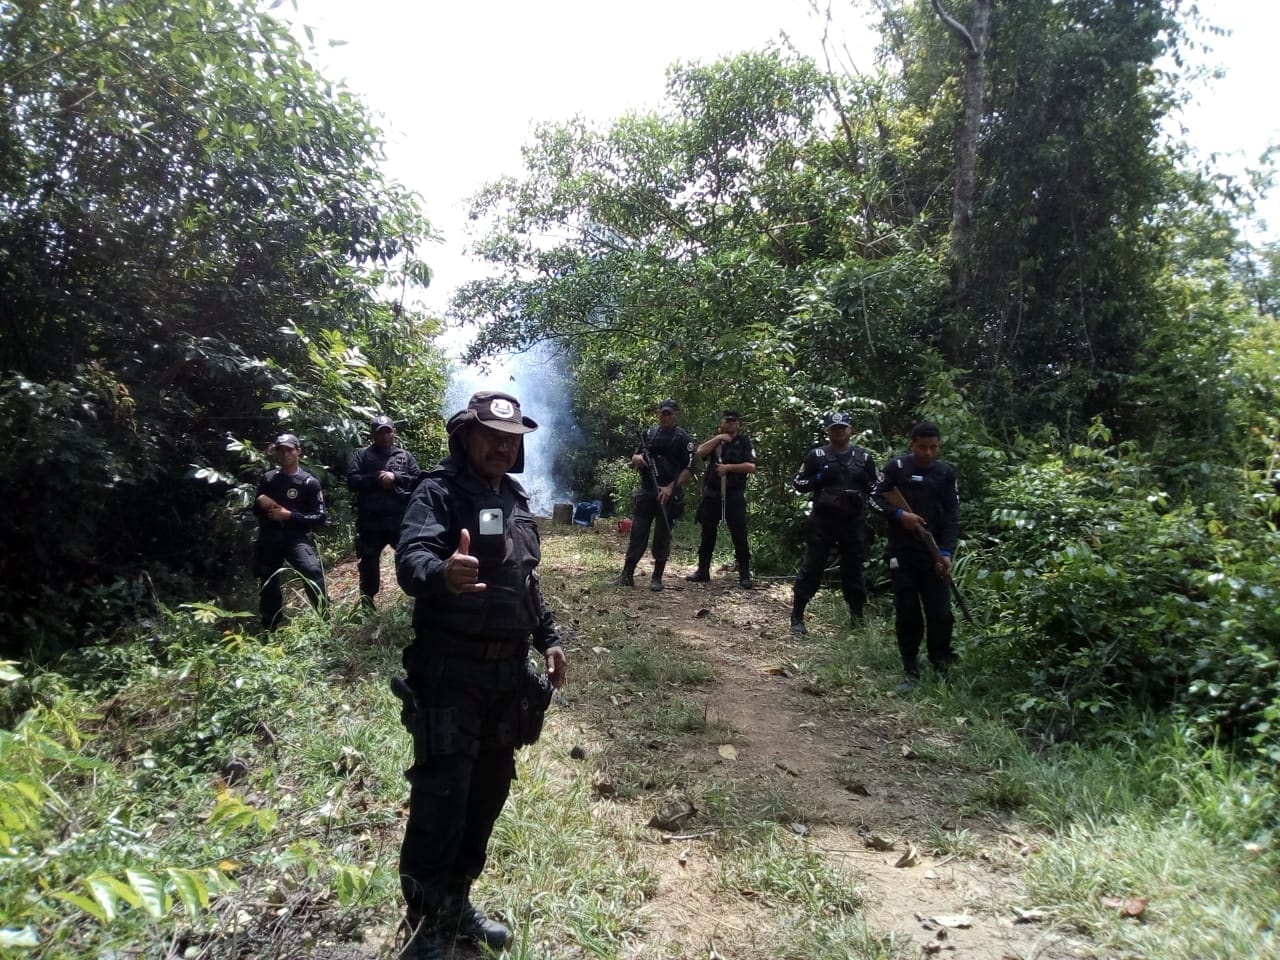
[[507, 608]]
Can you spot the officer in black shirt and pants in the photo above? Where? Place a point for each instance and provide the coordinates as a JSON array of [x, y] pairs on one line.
[[929, 486], [734, 461], [672, 451], [468, 554], [289, 505], [840, 477], [382, 476]]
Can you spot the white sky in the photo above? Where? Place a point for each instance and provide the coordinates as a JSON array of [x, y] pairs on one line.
[[459, 85]]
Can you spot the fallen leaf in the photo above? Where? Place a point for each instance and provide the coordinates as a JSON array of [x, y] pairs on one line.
[[1129, 906], [704, 612], [859, 788], [880, 842], [1029, 916], [579, 752], [907, 752], [799, 829], [728, 752], [958, 921], [600, 650]]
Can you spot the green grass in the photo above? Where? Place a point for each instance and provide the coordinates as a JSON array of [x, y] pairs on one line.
[[118, 766]]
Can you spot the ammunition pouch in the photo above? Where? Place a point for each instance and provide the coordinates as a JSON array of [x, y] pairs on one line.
[[675, 508], [535, 697], [846, 503]]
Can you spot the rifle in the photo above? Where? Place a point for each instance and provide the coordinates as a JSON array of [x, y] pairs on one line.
[[724, 482], [653, 472], [894, 496]]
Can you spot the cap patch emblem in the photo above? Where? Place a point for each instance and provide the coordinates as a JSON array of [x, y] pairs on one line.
[[502, 409]]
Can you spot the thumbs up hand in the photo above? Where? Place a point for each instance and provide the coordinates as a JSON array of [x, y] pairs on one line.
[[461, 570]]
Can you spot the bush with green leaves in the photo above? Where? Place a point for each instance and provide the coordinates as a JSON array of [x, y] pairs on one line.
[[1111, 595]]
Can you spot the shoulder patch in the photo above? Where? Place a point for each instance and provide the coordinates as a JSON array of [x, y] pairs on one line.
[[820, 451]]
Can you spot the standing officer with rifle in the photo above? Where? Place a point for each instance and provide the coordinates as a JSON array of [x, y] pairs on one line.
[[724, 497], [664, 457], [468, 555], [840, 477], [919, 496]]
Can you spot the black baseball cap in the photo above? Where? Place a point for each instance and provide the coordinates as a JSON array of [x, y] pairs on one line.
[[730, 415], [837, 420], [381, 423], [288, 440], [668, 404], [498, 411]]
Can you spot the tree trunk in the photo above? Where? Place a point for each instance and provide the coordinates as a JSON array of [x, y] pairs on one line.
[[974, 38]]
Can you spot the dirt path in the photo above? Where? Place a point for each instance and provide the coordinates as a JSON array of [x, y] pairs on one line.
[[861, 771], [868, 774]]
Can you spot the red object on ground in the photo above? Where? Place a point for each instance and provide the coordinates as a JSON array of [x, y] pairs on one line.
[[624, 526]]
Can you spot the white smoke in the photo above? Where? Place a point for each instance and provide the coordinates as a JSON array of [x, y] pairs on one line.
[[537, 379]]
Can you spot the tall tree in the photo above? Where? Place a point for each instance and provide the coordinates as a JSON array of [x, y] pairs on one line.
[[974, 41], [192, 226]]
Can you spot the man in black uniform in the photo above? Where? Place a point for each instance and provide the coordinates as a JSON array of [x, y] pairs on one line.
[[840, 477], [382, 476], [724, 496], [468, 554], [289, 505], [929, 487], [672, 451]]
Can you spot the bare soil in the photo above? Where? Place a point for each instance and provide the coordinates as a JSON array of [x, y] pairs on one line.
[[859, 767], [869, 773]]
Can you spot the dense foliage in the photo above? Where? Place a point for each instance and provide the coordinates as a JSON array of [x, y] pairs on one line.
[[194, 241], [777, 239]]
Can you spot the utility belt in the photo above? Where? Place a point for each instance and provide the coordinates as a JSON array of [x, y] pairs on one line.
[[456, 645]]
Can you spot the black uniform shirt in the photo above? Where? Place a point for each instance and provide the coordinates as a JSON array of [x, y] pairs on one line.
[[843, 479], [738, 450], [298, 492], [672, 454], [446, 501], [375, 504], [933, 494]]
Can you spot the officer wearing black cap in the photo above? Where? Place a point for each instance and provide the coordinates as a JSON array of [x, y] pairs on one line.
[[671, 449], [468, 554], [724, 496], [289, 505], [840, 476], [382, 475]]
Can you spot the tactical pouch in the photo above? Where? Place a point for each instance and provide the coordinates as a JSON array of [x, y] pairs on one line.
[[838, 500], [535, 697]]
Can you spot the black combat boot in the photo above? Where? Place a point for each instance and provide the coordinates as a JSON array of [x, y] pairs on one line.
[[744, 576], [424, 940], [797, 618], [625, 579], [460, 916], [701, 575], [655, 581]]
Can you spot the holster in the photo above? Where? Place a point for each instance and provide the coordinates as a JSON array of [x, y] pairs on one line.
[[535, 697]]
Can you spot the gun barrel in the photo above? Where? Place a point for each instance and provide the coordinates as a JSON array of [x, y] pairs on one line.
[[653, 472]]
